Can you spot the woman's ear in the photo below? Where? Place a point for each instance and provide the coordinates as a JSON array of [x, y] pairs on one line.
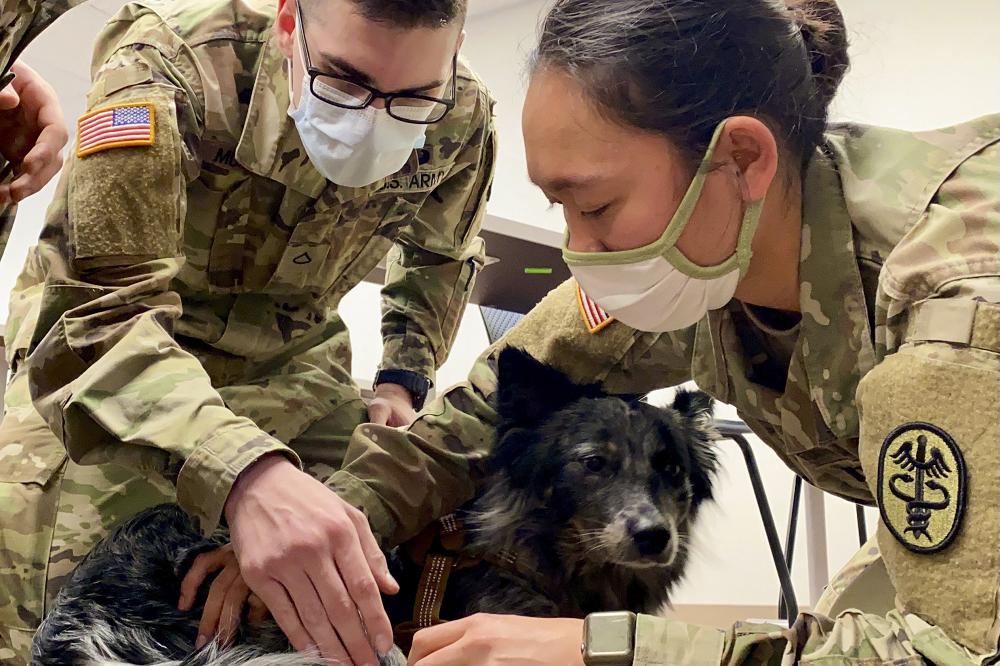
[[748, 144]]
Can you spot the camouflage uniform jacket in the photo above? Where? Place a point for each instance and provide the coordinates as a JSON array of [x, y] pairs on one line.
[[20, 22], [180, 308], [899, 272]]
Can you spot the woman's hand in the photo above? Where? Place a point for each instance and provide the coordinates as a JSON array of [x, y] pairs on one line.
[[226, 597], [32, 133], [495, 640]]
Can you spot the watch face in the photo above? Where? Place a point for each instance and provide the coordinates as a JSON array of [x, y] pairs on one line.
[[609, 639]]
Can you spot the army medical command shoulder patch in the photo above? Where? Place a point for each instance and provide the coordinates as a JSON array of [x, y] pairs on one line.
[[921, 487], [117, 126], [594, 316]]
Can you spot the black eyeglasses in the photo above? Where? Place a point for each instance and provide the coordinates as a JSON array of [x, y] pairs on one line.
[[348, 94]]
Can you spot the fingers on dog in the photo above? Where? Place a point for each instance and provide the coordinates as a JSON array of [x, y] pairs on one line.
[[203, 566]]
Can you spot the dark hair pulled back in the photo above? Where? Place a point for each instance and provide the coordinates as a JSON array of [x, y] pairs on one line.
[[680, 67]]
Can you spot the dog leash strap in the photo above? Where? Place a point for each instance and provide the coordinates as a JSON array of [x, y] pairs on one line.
[[430, 594]]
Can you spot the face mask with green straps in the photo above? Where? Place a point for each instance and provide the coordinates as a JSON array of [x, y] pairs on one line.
[[656, 288]]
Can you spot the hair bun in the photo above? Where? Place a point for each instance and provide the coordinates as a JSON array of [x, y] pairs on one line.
[[825, 34]]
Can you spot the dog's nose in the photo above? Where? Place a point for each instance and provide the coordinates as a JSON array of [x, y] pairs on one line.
[[652, 541]]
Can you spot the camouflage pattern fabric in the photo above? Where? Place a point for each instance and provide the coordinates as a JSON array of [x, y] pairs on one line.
[[178, 317], [900, 288], [20, 22]]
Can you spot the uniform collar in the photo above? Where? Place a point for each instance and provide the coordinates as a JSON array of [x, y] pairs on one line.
[[270, 145], [836, 344]]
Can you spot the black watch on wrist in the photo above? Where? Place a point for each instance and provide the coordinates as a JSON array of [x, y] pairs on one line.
[[414, 382]]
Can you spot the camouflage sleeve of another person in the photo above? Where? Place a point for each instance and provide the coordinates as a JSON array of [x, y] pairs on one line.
[[433, 266], [104, 369], [20, 22], [404, 479]]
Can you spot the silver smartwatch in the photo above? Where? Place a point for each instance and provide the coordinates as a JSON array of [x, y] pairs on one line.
[[609, 639]]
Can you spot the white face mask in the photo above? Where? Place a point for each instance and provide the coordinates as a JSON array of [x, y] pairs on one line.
[[656, 288], [350, 147]]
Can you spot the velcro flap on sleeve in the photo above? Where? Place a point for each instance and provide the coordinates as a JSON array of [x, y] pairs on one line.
[[929, 431], [118, 79], [124, 199], [961, 322]]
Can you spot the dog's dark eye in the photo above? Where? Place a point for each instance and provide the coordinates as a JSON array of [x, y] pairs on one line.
[[595, 463], [665, 465]]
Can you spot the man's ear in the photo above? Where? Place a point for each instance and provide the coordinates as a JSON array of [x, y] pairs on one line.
[[528, 390]]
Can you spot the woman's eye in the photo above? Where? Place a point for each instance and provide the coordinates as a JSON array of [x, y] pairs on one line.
[[597, 212], [594, 463]]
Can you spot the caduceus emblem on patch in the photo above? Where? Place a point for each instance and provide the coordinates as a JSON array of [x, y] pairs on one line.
[[922, 486]]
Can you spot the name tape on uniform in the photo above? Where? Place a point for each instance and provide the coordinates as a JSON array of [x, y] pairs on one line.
[[420, 181]]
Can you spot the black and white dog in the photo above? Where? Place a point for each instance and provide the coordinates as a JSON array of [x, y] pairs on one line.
[[595, 496]]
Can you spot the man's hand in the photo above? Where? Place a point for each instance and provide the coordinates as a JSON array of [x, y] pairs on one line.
[[227, 596], [313, 560], [32, 133], [392, 406], [495, 640]]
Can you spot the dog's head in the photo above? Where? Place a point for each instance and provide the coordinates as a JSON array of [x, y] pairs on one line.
[[615, 481]]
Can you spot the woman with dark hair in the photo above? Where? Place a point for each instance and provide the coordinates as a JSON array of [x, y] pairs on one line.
[[840, 285]]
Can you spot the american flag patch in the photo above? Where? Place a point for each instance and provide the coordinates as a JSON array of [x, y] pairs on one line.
[[594, 317], [115, 127]]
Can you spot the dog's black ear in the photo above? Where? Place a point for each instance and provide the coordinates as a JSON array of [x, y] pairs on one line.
[[697, 408], [694, 404], [529, 390], [517, 457]]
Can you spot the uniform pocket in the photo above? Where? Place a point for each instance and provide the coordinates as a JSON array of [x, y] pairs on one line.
[[30, 459], [303, 263], [29, 452]]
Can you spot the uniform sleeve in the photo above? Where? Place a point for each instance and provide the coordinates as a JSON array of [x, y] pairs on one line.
[[404, 479], [432, 268], [23, 20], [897, 639], [104, 370]]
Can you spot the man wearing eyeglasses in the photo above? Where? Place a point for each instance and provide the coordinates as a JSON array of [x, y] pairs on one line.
[[240, 167]]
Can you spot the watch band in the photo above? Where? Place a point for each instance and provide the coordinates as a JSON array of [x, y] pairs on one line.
[[414, 382], [609, 639]]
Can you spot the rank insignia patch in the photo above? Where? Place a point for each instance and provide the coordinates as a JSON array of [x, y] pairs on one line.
[[922, 486], [117, 126], [594, 316]]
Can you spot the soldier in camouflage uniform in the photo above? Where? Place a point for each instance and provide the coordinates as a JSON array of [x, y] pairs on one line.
[[177, 321], [862, 342]]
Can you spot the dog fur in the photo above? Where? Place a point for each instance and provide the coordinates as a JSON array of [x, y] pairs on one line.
[[598, 493]]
